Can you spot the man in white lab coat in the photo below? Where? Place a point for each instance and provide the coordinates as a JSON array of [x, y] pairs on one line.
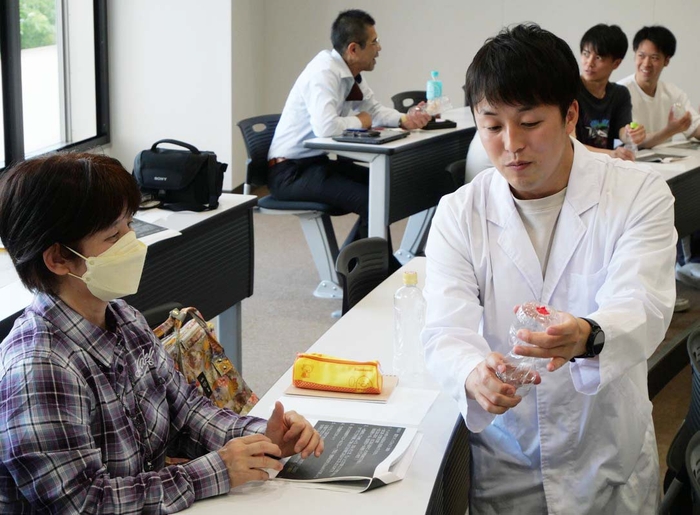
[[586, 234]]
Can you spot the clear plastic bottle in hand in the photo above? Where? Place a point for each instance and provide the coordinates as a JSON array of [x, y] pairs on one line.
[[631, 145], [409, 319], [520, 370]]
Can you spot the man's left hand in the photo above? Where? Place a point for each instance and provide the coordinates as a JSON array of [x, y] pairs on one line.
[[293, 433], [559, 342]]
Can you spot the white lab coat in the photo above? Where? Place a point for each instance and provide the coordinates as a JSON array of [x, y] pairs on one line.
[[584, 438]]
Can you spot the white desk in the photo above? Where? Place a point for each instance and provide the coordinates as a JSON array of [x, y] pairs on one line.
[[210, 266], [407, 177], [364, 333]]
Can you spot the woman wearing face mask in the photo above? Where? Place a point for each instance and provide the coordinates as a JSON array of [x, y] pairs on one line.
[[89, 401]]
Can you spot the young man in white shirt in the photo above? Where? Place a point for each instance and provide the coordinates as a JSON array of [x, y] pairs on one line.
[[662, 107], [330, 96], [584, 233], [666, 111]]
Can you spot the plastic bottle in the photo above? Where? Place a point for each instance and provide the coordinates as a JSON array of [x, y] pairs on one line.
[[409, 319], [678, 110], [433, 89], [631, 145], [520, 370]]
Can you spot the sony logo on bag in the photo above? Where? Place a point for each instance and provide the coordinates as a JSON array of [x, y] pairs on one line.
[[160, 178]]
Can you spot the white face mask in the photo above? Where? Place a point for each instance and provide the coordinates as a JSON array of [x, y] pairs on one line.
[[117, 271]]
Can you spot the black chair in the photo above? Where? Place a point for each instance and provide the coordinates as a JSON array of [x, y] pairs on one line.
[[362, 265], [405, 100], [159, 314], [692, 464], [450, 495], [315, 217], [677, 498], [456, 170]]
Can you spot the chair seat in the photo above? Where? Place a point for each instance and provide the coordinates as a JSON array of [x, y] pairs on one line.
[[270, 202]]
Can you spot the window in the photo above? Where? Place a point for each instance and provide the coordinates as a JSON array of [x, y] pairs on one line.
[[53, 57]]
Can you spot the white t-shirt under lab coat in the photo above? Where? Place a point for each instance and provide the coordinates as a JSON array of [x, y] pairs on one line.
[[583, 440]]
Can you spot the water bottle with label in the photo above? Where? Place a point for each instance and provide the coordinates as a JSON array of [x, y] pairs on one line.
[[409, 319], [520, 370], [433, 89]]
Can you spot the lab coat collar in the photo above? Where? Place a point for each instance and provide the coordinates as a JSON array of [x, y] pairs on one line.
[[583, 192]]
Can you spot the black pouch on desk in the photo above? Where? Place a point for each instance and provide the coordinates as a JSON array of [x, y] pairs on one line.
[[439, 124], [181, 179]]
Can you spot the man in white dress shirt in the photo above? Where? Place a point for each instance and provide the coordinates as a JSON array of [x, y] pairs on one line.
[[579, 231], [329, 97], [666, 111]]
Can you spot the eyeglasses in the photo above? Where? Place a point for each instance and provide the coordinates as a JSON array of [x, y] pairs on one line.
[[375, 42]]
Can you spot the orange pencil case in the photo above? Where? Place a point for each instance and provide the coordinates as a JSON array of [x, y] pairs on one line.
[[321, 372]]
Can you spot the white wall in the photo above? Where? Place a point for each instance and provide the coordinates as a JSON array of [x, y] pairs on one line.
[[418, 36], [170, 67]]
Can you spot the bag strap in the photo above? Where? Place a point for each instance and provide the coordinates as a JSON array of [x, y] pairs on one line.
[[197, 316], [189, 147], [213, 186]]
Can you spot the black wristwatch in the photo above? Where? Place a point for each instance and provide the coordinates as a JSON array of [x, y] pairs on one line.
[[595, 342]]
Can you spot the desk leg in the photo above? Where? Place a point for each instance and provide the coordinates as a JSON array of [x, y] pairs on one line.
[[378, 197], [415, 236], [228, 329]]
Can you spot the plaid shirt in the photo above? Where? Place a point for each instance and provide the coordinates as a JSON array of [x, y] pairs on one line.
[[86, 415]]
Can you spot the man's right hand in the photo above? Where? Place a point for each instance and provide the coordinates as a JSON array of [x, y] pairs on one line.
[[245, 457], [484, 386], [366, 119]]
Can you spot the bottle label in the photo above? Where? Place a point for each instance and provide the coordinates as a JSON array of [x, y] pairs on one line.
[[433, 89]]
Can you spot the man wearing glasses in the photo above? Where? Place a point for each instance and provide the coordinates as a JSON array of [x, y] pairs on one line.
[[329, 97]]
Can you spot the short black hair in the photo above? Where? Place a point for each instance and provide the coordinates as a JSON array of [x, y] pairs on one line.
[[606, 41], [350, 27], [59, 198], [662, 38], [524, 65]]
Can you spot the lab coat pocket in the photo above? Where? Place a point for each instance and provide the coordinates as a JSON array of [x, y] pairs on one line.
[[582, 290]]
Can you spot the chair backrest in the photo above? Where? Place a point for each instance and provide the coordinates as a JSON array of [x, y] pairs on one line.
[[457, 169], [692, 464], [677, 492], [415, 97], [159, 314], [693, 417], [361, 266], [257, 136]]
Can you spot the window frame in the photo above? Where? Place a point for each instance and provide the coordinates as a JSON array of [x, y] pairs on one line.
[[11, 71]]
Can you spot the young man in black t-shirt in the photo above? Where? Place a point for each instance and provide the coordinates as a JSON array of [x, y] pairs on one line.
[[605, 108]]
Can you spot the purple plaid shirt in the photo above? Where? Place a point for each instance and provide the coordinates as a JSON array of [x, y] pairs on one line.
[[86, 416]]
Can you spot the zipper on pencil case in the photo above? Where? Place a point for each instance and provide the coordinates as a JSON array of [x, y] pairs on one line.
[[318, 357]]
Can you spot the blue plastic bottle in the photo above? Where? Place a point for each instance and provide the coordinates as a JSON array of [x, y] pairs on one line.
[[433, 89]]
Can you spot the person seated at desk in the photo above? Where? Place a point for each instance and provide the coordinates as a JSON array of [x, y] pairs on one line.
[[584, 233], [605, 108], [330, 96], [89, 399], [653, 100], [666, 111]]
